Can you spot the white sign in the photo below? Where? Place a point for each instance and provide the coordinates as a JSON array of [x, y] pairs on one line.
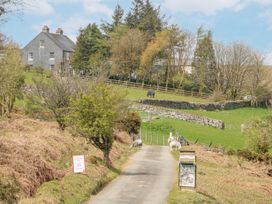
[[191, 157], [79, 164], [187, 175]]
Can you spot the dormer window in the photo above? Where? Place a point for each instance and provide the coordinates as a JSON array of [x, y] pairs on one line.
[[52, 55], [30, 56], [41, 43]]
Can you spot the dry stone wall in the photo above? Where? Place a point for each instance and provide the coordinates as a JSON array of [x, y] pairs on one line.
[[196, 106], [180, 116]]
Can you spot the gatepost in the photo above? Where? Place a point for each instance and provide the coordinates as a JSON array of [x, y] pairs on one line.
[[187, 170]]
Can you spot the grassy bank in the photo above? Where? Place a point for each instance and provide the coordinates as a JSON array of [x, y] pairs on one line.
[[77, 188], [36, 162], [225, 179], [231, 137]]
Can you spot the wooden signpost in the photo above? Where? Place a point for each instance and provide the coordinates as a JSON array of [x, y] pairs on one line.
[[187, 170]]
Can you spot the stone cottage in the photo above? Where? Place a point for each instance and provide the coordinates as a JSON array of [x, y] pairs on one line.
[[49, 51]]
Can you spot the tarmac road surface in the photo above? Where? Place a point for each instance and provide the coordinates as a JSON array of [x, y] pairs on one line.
[[147, 179]]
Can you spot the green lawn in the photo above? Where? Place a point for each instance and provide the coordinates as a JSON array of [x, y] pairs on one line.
[[231, 137], [132, 93], [29, 76], [138, 93]]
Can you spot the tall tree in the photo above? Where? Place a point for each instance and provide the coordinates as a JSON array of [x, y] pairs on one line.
[[239, 71], [126, 53], [154, 54], [167, 55], [151, 21], [135, 14], [204, 62], [117, 20], [117, 16], [90, 42], [144, 16]]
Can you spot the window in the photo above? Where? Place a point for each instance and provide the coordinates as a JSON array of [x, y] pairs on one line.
[[67, 56], [52, 66], [52, 55], [41, 43], [30, 56]]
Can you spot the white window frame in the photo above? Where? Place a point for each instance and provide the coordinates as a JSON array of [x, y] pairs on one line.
[[53, 54], [30, 56], [41, 43]]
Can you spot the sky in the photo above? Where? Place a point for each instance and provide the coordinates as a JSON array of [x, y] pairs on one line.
[[247, 21]]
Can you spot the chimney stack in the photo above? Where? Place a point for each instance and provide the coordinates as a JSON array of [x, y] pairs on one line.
[[59, 31], [45, 29]]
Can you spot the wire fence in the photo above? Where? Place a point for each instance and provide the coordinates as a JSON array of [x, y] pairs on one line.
[[159, 136], [159, 88]]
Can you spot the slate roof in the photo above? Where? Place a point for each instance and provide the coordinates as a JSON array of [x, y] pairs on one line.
[[62, 41]]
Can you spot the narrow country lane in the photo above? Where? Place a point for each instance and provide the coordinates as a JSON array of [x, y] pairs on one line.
[[147, 179]]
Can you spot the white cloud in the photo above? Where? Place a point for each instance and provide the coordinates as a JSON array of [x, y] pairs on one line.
[[267, 17], [39, 7], [96, 6], [47, 7], [207, 7], [72, 25], [210, 7], [268, 59]]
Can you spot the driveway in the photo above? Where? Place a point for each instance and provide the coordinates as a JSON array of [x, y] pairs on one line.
[[147, 179]]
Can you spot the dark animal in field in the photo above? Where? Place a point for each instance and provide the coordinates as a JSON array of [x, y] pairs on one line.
[[151, 93]]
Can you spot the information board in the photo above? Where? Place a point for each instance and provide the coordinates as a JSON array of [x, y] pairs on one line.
[[79, 164], [187, 175]]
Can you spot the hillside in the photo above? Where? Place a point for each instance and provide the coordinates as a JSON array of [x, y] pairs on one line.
[[33, 152], [225, 179]]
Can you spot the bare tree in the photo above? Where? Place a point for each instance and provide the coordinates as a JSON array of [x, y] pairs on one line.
[[8, 6], [183, 54], [235, 65], [126, 52], [55, 94]]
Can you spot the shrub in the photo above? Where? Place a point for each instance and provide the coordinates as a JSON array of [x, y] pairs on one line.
[[8, 191], [93, 116], [217, 96], [53, 95], [131, 123], [11, 78], [260, 135], [254, 156]]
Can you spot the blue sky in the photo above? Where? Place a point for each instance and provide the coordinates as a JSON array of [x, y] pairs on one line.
[[248, 21]]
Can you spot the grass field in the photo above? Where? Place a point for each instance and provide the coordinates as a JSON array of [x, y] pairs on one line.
[[231, 137], [132, 93], [156, 132], [137, 93]]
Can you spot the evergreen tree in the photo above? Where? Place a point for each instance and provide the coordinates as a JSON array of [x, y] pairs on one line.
[[151, 21], [117, 20], [117, 16], [135, 14], [204, 62], [145, 17], [90, 42]]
